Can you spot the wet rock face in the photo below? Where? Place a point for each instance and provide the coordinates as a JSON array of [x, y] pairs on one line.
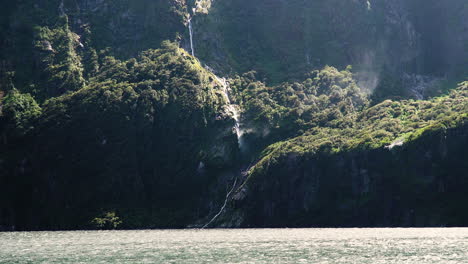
[[291, 37], [223, 150], [403, 37], [441, 27], [420, 86]]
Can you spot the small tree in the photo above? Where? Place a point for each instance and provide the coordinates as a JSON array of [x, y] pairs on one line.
[[108, 220]]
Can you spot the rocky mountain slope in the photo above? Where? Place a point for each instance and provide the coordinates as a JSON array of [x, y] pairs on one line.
[[175, 113]]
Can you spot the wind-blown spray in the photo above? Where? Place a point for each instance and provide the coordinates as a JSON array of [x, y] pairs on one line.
[[232, 109]]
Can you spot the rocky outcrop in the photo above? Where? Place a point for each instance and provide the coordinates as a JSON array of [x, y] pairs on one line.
[[129, 125], [417, 184], [134, 146], [127, 27]]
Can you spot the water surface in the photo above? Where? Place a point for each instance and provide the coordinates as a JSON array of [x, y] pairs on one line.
[[443, 245]]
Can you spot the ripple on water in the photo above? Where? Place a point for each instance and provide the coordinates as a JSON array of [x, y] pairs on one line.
[[444, 245]]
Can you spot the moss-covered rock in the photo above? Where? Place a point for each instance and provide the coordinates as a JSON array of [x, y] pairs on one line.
[[105, 116], [400, 164], [133, 138]]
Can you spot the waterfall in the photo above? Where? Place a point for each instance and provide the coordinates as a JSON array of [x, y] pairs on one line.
[[233, 109], [61, 9], [224, 205], [191, 35], [225, 89]]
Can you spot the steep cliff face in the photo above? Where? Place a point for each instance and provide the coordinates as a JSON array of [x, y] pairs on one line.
[[49, 47], [104, 115], [149, 135], [282, 40], [443, 28], [411, 185], [408, 170], [128, 27]]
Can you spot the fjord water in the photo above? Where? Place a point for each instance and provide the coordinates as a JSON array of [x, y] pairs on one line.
[[443, 245]]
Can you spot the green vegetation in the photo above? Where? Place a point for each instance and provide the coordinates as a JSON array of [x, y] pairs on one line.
[[109, 220], [62, 69], [107, 122], [19, 113], [284, 40], [377, 127], [322, 99], [134, 136], [395, 152]]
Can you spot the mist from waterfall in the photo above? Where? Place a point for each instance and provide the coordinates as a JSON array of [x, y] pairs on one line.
[[232, 108], [233, 111]]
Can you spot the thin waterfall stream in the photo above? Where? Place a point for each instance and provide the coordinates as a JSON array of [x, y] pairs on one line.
[[191, 36], [233, 110], [224, 205]]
